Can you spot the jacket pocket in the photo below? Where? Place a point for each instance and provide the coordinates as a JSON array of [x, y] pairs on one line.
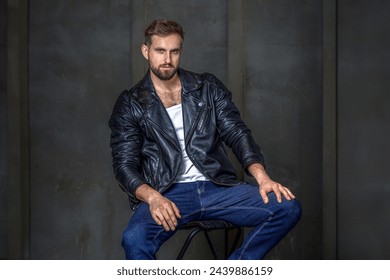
[[205, 120]]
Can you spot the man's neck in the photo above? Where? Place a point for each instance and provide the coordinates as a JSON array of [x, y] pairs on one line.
[[168, 91]]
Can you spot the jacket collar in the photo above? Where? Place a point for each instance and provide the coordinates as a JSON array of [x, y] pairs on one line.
[[189, 81]]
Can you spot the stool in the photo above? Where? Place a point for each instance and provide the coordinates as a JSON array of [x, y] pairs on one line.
[[206, 226]]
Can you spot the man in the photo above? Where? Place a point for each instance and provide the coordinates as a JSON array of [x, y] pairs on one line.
[[167, 138]]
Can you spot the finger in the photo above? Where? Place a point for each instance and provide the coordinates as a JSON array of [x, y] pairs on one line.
[[264, 196], [164, 215], [170, 216], [287, 194], [157, 219], [165, 225], [278, 196], [278, 193], [283, 191], [171, 222], [290, 193], [176, 210], [162, 221]]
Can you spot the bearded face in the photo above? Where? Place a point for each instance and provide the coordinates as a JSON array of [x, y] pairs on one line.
[[163, 55]]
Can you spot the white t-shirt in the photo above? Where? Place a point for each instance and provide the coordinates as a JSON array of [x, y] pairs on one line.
[[188, 172]]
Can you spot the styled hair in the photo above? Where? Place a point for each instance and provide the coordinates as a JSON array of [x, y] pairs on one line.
[[162, 27]]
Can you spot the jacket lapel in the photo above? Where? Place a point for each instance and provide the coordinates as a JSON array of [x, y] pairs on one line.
[[192, 104], [192, 111], [156, 115]]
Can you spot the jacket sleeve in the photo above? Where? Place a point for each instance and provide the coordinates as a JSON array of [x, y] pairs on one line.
[[125, 143], [233, 130]]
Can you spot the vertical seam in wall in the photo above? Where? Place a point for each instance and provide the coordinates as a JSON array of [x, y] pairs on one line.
[[236, 61], [138, 22], [145, 22], [330, 132], [25, 130], [243, 56], [18, 145], [336, 130], [28, 131]]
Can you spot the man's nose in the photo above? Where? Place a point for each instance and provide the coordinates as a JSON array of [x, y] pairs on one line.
[[167, 57]]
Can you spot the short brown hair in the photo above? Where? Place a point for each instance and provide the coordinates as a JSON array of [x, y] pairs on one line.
[[162, 27]]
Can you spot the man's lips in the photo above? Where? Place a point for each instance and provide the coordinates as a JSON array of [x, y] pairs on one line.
[[167, 66]]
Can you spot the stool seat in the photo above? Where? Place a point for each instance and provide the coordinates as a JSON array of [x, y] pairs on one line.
[[207, 226]]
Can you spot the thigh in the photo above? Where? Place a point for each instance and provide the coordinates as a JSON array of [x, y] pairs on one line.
[[143, 229], [241, 205]]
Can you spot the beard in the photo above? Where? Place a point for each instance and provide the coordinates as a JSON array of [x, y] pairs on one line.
[[164, 75]]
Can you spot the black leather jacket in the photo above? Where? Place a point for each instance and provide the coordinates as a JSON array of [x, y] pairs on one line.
[[144, 145]]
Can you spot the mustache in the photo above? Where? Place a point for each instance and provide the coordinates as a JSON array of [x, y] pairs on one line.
[[166, 65]]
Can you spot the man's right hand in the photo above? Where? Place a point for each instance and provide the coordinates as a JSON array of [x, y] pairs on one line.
[[164, 212]]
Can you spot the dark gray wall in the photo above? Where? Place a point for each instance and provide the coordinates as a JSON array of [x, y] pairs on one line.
[[3, 127], [78, 62], [82, 54], [363, 129], [16, 132], [282, 98]]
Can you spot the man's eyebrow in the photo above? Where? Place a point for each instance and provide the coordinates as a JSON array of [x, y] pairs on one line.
[[163, 49]]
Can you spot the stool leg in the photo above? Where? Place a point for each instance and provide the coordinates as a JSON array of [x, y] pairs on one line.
[[194, 232], [211, 245], [226, 243], [235, 242]]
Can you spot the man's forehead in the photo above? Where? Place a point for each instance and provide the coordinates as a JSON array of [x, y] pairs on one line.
[[172, 40]]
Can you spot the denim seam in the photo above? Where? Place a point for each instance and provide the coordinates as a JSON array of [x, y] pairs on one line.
[[242, 208], [157, 234], [271, 213], [189, 214], [253, 236]]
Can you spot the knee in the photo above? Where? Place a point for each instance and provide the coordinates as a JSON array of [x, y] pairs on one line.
[[132, 236], [296, 209], [292, 211], [289, 210], [136, 244]]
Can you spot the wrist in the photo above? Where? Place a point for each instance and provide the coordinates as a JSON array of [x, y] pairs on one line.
[[146, 193], [257, 170]]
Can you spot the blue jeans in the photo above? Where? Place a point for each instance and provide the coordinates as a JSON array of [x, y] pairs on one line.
[[241, 205]]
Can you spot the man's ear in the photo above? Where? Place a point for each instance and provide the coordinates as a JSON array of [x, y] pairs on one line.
[[145, 51]]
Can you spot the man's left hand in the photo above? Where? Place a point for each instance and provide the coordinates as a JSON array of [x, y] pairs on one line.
[[266, 185]]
